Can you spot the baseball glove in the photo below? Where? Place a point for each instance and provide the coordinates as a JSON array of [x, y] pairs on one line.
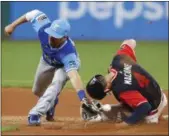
[[90, 110], [117, 113]]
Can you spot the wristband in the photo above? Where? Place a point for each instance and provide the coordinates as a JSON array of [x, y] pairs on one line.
[[81, 94]]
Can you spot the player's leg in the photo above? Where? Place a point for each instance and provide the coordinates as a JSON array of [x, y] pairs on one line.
[[162, 106], [47, 100], [154, 118], [129, 42], [50, 113], [43, 77]]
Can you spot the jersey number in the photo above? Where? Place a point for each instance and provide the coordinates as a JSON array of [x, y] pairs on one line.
[[142, 80], [72, 63]]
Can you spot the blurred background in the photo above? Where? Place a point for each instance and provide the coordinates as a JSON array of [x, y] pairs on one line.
[[98, 28]]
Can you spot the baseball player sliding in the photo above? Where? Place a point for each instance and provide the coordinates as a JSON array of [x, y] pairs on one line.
[[136, 90], [59, 63]]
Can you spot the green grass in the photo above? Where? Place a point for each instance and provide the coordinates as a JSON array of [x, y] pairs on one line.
[[9, 128], [20, 59]]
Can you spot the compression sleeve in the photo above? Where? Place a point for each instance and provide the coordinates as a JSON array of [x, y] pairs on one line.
[[138, 103], [139, 113], [38, 19]]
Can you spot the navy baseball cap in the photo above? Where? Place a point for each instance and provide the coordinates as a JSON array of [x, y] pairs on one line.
[[59, 28]]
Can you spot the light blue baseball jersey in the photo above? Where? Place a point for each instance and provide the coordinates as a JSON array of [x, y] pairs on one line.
[[66, 56]]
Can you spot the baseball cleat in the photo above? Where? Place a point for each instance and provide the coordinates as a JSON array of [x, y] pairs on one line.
[[50, 114], [34, 120]]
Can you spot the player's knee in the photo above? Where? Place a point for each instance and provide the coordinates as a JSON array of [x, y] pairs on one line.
[[58, 82], [59, 79], [165, 101], [36, 91], [130, 42]]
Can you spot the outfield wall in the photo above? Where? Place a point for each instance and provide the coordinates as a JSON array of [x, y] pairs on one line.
[[100, 20]]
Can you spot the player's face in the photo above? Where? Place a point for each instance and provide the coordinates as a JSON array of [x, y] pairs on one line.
[[56, 41]]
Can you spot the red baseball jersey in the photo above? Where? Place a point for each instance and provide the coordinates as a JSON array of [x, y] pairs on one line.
[[133, 85]]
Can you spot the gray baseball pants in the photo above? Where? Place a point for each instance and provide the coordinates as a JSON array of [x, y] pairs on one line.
[[48, 83]]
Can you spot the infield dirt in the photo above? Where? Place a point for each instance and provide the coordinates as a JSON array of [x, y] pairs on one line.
[[16, 103]]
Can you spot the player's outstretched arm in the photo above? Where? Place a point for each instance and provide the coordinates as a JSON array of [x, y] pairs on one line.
[[90, 105], [27, 17], [77, 83], [11, 27]]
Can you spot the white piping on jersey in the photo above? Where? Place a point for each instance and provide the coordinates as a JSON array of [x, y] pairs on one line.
[[72, 42], [59, 47], [115, 74], [113, 71], [71, 69], [141, 102]]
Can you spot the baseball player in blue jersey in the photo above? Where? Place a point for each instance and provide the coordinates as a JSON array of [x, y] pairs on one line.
[[59, 63]]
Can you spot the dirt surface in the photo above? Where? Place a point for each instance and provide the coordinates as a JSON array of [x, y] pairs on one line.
[[16, 103]]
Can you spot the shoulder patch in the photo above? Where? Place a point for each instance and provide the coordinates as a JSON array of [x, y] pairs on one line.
[[41, 17]]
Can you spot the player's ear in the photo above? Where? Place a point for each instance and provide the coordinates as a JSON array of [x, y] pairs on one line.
[[109, 68]]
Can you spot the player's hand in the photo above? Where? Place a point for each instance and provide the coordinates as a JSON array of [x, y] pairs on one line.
[[92, 104], [9, 29], [90, 110]]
